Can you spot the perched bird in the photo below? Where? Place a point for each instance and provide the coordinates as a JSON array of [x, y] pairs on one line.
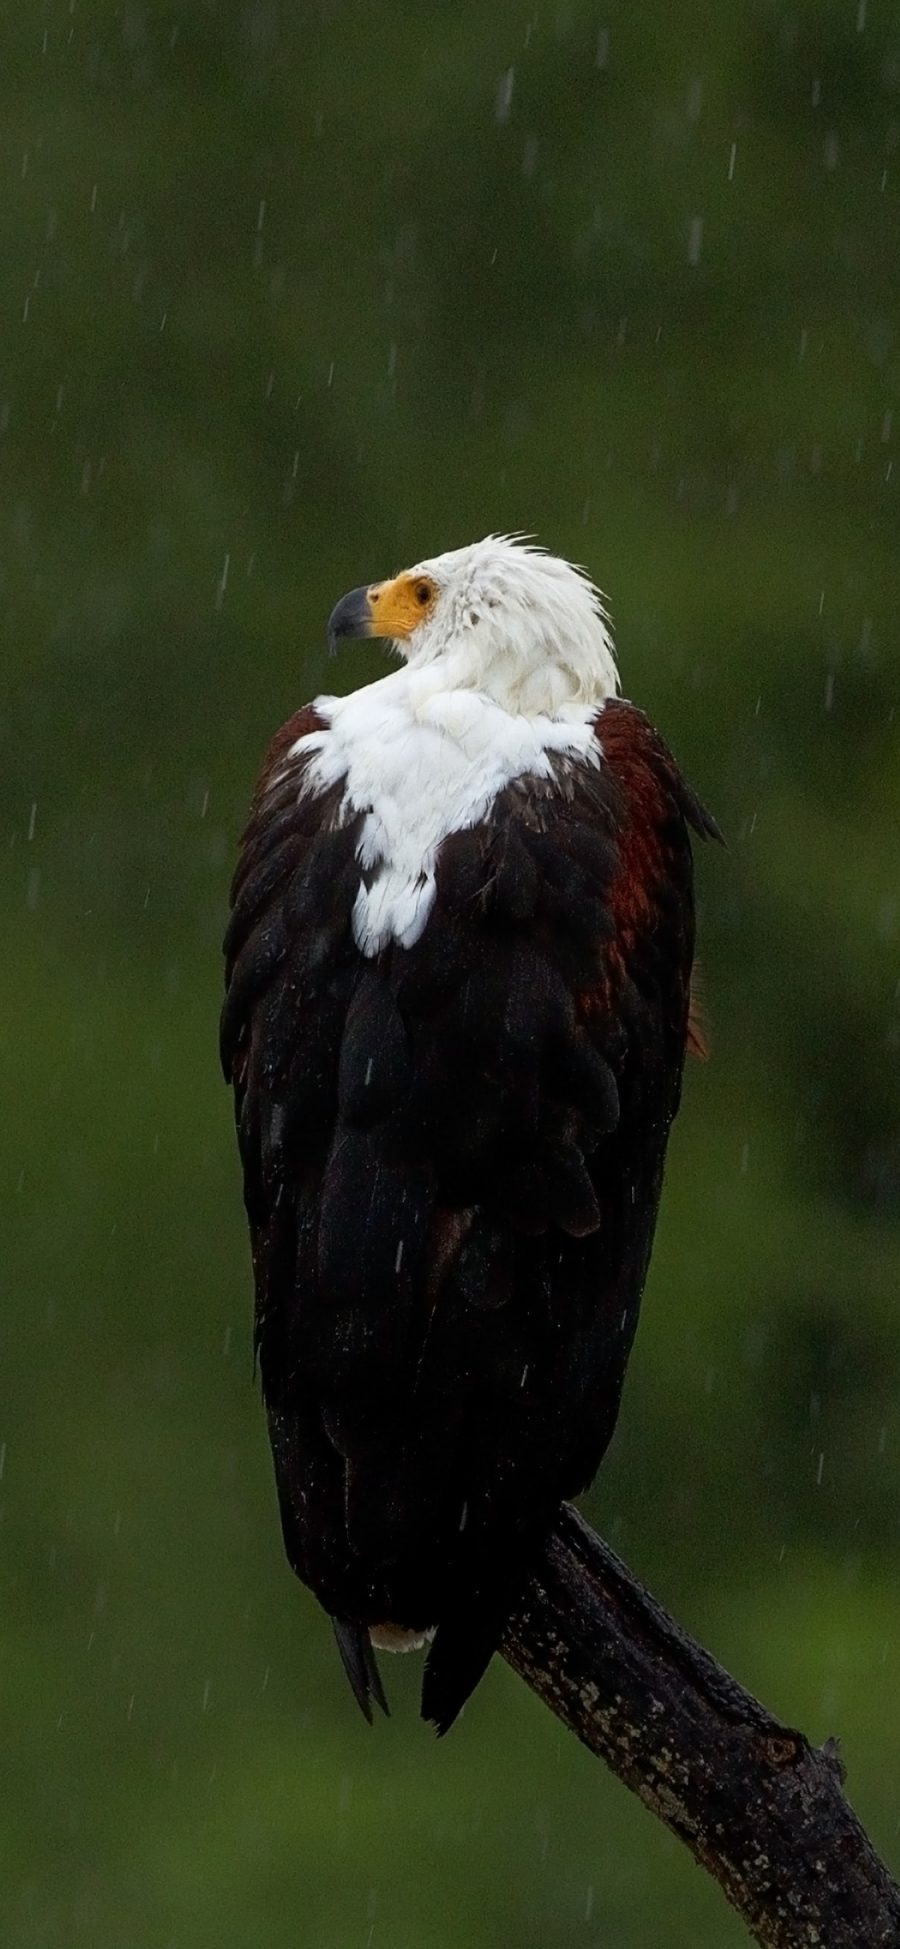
[[458, 1005]]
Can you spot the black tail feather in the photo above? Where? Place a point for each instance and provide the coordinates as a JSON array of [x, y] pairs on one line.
[[358, 1659], [459, 1657]]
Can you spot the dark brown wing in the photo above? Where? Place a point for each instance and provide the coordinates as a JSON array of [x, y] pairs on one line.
[[453, 1156]]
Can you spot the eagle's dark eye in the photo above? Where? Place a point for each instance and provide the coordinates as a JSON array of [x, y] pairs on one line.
[[423, 593]]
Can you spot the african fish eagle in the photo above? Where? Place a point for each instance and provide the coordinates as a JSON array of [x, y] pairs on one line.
[[458, 1005]]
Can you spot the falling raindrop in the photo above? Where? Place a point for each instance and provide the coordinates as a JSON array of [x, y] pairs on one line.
[[504, 95]]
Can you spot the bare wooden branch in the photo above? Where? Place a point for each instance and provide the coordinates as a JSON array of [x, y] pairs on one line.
[[759, 1807]]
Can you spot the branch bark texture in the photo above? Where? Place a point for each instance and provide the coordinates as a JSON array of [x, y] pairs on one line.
[[759, 1807]]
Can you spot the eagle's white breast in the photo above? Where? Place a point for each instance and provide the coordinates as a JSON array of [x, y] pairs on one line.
[[420, 760]]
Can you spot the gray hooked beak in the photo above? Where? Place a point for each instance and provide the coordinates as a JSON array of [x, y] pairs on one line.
[[352, 616]]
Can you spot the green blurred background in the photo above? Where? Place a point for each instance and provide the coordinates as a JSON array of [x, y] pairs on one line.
[[293, 294]]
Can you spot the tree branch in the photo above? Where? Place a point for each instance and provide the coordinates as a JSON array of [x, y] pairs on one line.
[[759, 1807]]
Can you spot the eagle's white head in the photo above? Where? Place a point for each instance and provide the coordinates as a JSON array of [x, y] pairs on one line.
[[501, 617]]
